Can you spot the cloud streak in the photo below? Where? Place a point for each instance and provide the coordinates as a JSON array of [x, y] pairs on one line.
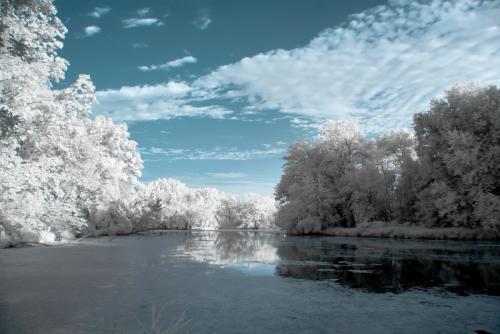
[[98, 12], [151, 102], [216, 153], [91, 31], [135, 22], [203, 20], [139, 45], [170, 64], [143, 11]]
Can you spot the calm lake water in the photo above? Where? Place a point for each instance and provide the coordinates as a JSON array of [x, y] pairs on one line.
[[252, 282]]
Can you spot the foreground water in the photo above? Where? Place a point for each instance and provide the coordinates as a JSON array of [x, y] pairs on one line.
[[246, 282]]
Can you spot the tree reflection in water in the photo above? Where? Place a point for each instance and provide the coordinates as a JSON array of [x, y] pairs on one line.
[[379, 266], [231, 247], [372, 265]]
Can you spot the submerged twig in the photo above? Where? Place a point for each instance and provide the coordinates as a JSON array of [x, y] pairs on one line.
[[14, 243], [87, 235]]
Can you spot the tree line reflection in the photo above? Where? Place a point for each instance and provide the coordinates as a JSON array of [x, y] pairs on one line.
[[373, 265]]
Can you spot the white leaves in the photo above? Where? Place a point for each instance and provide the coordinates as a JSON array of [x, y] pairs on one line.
[[61, 162], [79, 97], [168, 203], [339, 132]]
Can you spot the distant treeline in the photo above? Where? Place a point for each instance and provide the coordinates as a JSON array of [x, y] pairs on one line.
[[445, 174]]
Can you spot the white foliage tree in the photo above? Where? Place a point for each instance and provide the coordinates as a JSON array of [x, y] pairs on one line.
[[170, 204], [57, 163]]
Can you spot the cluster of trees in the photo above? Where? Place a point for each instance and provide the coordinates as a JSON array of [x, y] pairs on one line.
[[63, 173], [170, 204], [445, 174]]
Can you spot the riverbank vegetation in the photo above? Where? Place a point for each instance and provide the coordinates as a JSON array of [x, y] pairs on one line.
[[444, 176]]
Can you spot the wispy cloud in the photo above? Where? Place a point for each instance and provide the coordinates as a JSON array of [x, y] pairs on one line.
[[380, 67], [150, 102], [91, 31], [135, 22], [305, 123], [99, 11], [170, 64], [203, 19], [143, 11], [139, 45], [216, 153]]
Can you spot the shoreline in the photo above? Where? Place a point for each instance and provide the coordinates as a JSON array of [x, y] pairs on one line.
[[407, 231], [5, 244], [380, 230]]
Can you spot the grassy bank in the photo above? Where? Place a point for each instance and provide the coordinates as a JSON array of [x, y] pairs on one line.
[[411, 231]]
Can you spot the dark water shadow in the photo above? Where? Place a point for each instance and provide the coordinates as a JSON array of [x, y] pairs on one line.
[[379, 266], [374, 265]]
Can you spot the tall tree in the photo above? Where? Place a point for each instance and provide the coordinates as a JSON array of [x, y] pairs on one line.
[[459, 148], [60, 161]]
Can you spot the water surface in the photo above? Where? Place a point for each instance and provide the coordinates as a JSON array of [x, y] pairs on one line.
[[252, 282]]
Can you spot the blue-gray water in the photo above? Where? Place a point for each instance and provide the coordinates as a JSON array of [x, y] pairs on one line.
[[246, 282]]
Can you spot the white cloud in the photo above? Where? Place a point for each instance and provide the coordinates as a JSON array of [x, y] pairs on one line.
[[91, 30], [203, 20], [305, 123], [150, 102], [140, 45], [99, 11], [135, 22], [143, 11], [381, 67], [172, 88], [216, 153], [168, 65]]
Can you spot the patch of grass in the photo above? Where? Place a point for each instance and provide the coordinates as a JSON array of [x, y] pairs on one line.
[[411, 231]]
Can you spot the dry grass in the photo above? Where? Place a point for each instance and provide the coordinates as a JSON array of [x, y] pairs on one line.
[[157, 326], [410, 231]]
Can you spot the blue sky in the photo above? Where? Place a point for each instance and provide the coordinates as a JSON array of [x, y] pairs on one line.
[[214, 91]]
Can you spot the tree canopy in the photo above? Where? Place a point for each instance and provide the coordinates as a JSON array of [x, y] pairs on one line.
[[447, 174]]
